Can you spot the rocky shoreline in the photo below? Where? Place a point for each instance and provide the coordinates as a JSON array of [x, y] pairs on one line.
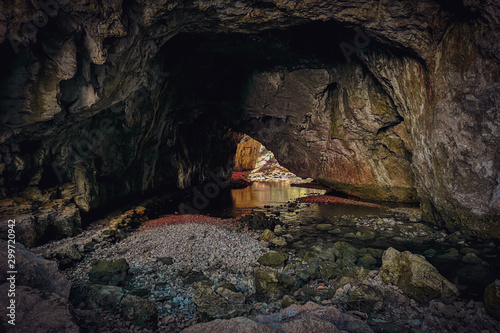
[[183, 270]]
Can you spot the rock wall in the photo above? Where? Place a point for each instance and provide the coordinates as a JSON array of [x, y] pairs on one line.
[[336, 126], [97, 102], [246, 155]]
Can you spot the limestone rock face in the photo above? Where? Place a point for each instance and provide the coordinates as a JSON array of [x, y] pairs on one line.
[[37, 273], [393, 100], [336, 126], [41, 294], [246, 154], [38, 311], [415, 276]]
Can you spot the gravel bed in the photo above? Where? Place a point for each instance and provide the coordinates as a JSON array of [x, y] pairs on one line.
[[221, 254]]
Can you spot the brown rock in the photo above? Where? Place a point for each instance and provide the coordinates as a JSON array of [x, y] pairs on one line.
[[38, 311], [36, 272], [239, 324]]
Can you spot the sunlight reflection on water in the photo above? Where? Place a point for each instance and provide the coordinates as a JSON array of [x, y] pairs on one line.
[[260, 194]]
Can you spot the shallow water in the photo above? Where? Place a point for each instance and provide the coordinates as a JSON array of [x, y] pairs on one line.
[[276, 198]]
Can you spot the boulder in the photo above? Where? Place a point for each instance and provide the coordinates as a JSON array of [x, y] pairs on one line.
[[312, 317], [278, 241], [239, 324], [415, 276], [37, 273], [367, 261], [267, 235], [492, 299], [37, 311], [288, 300], [52, 221], [214, 305], [267, 285], [471, 258], [259, 221], [307, 318], [273, 259], [111, 273], [324, 227], [231, 296], [141, 312]]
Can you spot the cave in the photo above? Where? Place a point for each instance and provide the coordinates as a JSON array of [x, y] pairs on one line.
[[128, 135]]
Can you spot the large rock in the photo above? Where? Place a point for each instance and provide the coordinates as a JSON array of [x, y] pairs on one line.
[[35, 272], [239, 324], [37, 311], [246, 154], [111, 273], [492, 299], [268, 285], [41, 294], [35, 226], [273, 259], [415, 276], [141, 312], [221, 304], [307, 318]]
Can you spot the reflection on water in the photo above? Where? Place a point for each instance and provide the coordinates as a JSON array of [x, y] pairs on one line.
[[260, 194], [274, 196]]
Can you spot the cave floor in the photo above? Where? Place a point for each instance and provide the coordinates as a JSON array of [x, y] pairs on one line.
[[176, 256]]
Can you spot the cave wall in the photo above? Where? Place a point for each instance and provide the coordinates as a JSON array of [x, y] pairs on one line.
[[336, 126], [415, 111]]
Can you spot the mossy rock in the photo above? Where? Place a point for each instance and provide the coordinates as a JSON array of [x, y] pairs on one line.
[[471, 258], [226, 285], [267, 235], [288, 300], [346, 253], [347, 222], [260, 221], [141, 312], [328, 271], [278, 241], [492, 299], [353, 276], [415, 276], [367, 261], [375, 253], [451, 254], [364, 298], [324, 227], [267, 285], [113, 273], [273, 259], [367, 235]]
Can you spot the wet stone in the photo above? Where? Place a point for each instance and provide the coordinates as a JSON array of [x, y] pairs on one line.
[[324, 227], [273, 259]]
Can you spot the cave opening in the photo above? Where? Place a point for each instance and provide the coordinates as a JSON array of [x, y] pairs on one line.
[[228, 79]]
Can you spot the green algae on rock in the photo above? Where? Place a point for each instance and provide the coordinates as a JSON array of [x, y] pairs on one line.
[[415, 276], [273, 259]]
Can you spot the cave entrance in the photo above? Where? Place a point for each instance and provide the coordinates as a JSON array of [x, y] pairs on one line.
[[322, 114], [255, 162]]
